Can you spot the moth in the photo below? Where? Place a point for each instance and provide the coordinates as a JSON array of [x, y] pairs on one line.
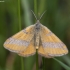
[[36, 37]]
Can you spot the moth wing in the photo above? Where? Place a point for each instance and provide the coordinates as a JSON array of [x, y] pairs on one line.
[[43, 53], [20, 41], [29, 51], [52, 45]]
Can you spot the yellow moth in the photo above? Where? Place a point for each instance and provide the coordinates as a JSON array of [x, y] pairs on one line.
[[34, 37]]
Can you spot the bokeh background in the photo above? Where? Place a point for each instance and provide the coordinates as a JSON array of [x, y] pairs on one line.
[[56, 18]]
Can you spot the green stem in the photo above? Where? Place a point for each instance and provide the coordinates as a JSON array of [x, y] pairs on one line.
[[62, 64], [43, 63], [35, 8], [36, 12], [37, 66], [22, 68], [19, 17]]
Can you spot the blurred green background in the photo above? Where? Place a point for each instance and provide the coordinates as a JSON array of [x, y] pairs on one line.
[[57, 19]]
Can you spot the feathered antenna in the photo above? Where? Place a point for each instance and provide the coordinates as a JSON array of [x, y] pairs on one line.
[[34, 14], [40, 16]]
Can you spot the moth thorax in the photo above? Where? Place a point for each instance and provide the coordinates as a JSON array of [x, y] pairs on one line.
[[37, 25]]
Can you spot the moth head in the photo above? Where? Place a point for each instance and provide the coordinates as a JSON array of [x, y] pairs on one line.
[[37, 22], [37, 25]]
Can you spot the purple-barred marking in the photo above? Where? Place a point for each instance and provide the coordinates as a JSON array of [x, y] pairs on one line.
[[50, 33], [53, 45], [17, 42]]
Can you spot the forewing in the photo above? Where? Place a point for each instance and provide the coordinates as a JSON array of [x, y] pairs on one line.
[[20, 41], [52, 45], [29, 51]]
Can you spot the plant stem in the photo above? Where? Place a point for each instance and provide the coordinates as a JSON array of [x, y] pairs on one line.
[[35, 8], [22, 68], [19, 16], [43, 63], [19, 20], [37, 66], [36, 12], [62, 64]]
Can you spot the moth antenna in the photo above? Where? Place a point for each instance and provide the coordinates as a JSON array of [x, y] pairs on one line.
[[42, 15], [34, 14]]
